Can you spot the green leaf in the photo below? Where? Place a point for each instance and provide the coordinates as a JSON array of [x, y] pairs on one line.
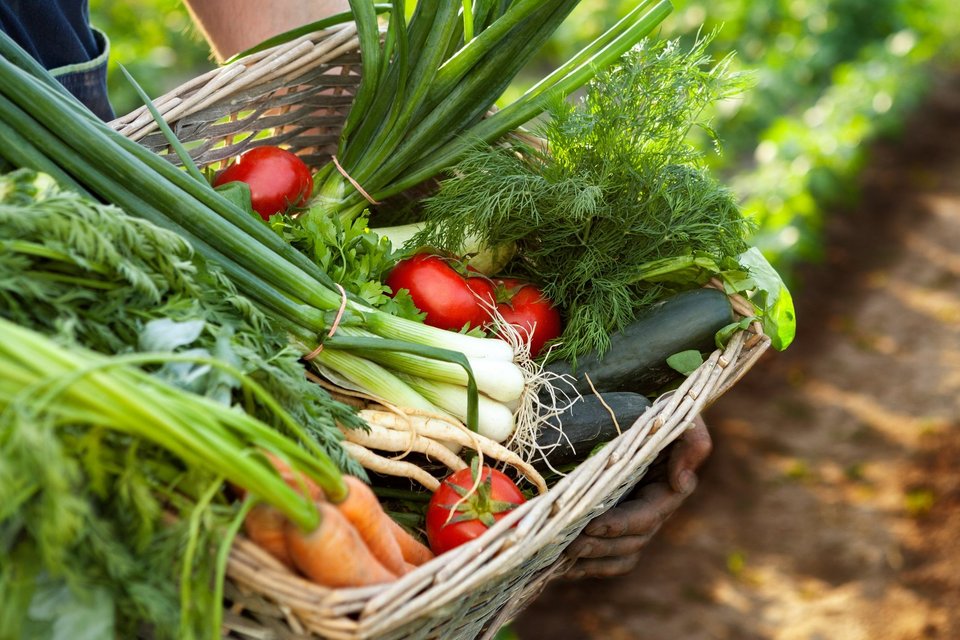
[[773, 297], [57, 613], [239, 194], [723, 336], [686, 362], [165, 334]]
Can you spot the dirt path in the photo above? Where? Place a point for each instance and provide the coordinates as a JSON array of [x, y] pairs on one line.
[[829, 510]]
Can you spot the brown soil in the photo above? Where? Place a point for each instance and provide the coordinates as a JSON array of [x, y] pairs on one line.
[[828, 510]]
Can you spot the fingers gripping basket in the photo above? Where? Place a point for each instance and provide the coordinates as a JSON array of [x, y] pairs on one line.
[[298, 94]]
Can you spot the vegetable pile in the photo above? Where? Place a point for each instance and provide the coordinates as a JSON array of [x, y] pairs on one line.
[[188, 354]]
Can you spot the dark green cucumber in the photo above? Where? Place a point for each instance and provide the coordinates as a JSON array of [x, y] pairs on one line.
[[637, 358], [571, 436]]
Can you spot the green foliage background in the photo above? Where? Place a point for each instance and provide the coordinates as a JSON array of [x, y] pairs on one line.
[[831, 75]]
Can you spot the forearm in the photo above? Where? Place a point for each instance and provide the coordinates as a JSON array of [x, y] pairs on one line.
[[230, 26]]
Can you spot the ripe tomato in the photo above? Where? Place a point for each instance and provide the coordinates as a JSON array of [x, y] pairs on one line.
[[524, 306], [449, 298], [496, 496], [277, 178]]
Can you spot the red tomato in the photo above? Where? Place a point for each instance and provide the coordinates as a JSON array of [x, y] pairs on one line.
[[449, 299], [524, 306], [277, 178], [496, 496]]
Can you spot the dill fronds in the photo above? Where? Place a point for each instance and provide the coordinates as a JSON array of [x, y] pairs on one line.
[[620, 187]]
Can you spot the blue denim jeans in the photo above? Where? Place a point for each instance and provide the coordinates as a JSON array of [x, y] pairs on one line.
[[88, 80], [58, 34]]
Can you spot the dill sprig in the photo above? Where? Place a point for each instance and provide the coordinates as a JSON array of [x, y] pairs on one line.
[[620, 209]]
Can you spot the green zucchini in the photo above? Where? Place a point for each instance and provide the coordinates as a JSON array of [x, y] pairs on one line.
[[637, 358], [571, 436]]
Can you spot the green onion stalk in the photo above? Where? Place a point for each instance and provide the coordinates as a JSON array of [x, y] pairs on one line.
[[427, 85]]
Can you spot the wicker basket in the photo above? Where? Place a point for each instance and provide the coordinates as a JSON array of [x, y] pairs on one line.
[[298, 94]]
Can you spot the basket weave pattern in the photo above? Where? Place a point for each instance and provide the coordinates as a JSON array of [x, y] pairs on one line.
[[298, 94]]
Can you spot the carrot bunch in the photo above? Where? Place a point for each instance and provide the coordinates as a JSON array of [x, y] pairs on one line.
[[356, 543]]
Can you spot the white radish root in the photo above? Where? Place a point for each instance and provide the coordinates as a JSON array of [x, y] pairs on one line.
[[373, 462], [443, 429], [384, 439]]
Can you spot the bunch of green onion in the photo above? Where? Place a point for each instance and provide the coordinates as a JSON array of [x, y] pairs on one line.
[[427, 85], [419, 106]]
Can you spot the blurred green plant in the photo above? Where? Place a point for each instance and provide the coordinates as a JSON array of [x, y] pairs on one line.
[[155, 40]]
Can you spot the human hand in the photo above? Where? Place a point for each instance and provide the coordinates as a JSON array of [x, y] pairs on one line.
[[611, 544]]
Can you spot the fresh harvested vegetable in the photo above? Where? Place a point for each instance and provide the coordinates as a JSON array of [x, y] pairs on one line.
[[444, 290], [390, 466], [90, 274], [425, 87], [617, 210], [414, 552], [363, 510], [467, 504], [637, 359], [264, 525], [334, 554], [292, 290], [92, 471], [480, 259], [300, 482], [352, 255], [589, 421], [441, 429], [93, 453], [524, 306], [496, 420], [278, 179], [356, 514], [382, 439], [494, 380]]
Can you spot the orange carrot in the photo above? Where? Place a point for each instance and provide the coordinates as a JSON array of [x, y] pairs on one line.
[[264, 525], [298, 481], [334, 554], [414, 552], [362, 508]]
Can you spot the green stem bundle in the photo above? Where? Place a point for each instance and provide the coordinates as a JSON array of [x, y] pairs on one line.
[[77, 386]]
